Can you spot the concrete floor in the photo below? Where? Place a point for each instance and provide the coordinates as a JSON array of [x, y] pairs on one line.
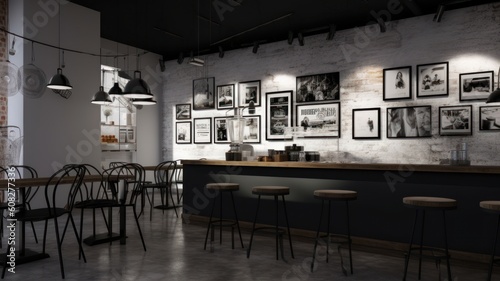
[[175, 252]]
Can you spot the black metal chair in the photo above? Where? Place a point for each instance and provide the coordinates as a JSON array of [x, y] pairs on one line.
[[71, 177], [178, 179], [163, 177]]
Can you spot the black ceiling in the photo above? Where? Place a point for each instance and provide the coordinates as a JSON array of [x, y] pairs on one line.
[[169, 27]]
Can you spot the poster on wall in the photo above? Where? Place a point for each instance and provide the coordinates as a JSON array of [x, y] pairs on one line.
[[318, 120], [202, 130], [409, 122], [183, 132], [318, 88], [432, 79], [183, 111], [220, 130], [489, 118], [397, 83], [249, 91], [251, 132], [455, 120], [225, 96], [476, 86], [278, 114], [366, 123], [203, 93]]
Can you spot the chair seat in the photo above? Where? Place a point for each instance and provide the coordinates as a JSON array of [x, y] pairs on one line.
[[271, 190], [40, 214], [95, 203], [490, 205], [430, 202], [335, 194], [223, 186]]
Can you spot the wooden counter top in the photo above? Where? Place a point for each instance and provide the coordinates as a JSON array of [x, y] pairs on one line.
[[352, 166]]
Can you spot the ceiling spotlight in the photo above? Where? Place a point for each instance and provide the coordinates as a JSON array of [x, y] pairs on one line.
[[180, 59], [331, 32], [290, 37], [221, 52], [197, 62], [255, 47], [300, 36], [439, 13], [381, 24]]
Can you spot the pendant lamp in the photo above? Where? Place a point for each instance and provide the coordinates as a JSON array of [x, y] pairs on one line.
[[137, 88], [101, 97], [149, 101], [115, 90], [495, 95], [59, 81]]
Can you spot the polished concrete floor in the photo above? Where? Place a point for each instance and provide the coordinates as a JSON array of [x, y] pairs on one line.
[[175, 252]]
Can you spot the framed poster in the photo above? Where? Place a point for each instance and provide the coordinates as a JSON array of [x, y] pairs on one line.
[[476, 85], [251, 132], [409, 122], [183, 132], [489, 118], [182, 111], [432, 79], [202, 130], [220, 130], [455, 120], [366, 123], [397, 83], [318, 87], [225, 96], [318, 120], [203, 93], [278, 114], [249, 91]]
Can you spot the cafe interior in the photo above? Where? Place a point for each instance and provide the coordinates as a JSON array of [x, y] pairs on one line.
[[200, 140]]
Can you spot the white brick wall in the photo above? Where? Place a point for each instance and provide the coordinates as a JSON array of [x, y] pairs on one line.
[[467, 38]]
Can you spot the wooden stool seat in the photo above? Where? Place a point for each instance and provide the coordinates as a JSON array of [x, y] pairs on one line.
[[223, 186], [270, 190], [430, 202], [331, 194], [490, 205]]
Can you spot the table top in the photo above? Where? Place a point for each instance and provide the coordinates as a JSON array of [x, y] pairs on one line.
[[152, 168], [42, 181]]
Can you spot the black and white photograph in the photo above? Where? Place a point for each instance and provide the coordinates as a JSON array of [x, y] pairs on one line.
[[203, 93], [318, 87], [202, 133], [183, 111], [220, 130], [476, 85], [455, 120], [225, 96], [432, 79], [366, 123], [489, 118], [397, 83], [318, 120], [249, 91], [409, 122], [183, 132], [278, 114], [251, 132]]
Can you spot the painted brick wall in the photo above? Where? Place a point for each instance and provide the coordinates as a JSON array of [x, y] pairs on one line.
[[466, 38]]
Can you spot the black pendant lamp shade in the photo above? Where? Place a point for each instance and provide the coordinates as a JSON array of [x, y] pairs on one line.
[[101, 97], [495, 96], [59, 81], [137, 88], [115, 90]]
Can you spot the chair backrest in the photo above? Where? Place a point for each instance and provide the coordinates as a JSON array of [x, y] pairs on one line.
[[179, 172], [94, 189], [67, 180], [135, 178], [26, 172], [116, 164], [165, 172]]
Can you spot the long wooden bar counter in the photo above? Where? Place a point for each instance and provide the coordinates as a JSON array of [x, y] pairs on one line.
[[378, 213]]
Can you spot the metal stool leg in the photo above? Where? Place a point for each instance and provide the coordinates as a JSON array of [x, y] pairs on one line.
[[421, 245], [287, 225], [276, 226], [237, 221], [407, 259], [220, 218], [349, 236], [446, 247], [328, 214], [317, 234], [490, 270], [253, 228], [209, 224]]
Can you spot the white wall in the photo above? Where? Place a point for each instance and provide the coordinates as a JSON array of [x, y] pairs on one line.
[[466, 38]]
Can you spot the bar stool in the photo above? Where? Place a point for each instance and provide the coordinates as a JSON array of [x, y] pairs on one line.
[[494, 207], [422, 203], [221, 188], [334, 195], [272, 191]]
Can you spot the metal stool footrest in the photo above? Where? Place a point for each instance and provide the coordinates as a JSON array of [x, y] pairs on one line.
[[221, 223], [341, 240]]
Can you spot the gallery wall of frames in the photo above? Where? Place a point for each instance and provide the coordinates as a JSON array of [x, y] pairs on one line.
[[401, 97]]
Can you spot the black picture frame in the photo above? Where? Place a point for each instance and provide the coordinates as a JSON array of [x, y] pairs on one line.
[[252, 130], [409, 122], [225, 96], [279, 114], [202, 130], [476, 85], [489, 118], [249, 91], [182, 111], [318, 120], [204, 93], [221, 134], [366, 123], [455, 120], [183, 132], [318, 88], [432, 79], [397, 83]]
